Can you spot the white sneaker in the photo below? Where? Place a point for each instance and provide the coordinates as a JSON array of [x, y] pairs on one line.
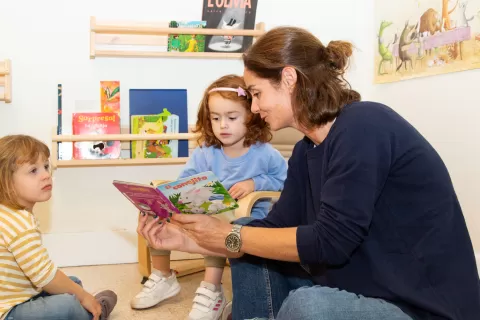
[[156, 289], [208, 303], [227, 312]]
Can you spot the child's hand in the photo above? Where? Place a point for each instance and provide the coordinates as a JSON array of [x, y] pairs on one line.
[[241, 189], [91, 305]]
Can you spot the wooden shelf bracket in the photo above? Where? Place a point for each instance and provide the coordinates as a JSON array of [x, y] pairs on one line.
[[6, 80]]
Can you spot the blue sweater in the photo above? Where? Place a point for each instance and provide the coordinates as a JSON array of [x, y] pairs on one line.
[[262, 163], [377, 215]]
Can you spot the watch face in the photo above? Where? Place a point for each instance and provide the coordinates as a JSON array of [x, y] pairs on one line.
[[233, 242]]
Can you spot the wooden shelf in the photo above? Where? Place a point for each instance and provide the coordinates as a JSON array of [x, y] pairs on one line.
[[6, 81], [56, 163], [123, 137], [156, 35], [118, 162]]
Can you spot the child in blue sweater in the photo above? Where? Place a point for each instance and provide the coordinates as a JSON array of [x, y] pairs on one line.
[[233, 144]]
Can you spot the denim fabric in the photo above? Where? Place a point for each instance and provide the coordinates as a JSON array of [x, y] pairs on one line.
[[50, 307], [262, 289]]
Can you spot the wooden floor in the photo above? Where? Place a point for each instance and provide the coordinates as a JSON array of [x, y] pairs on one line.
[[125, 280]]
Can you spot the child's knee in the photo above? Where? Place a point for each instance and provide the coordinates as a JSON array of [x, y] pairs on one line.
[[76, 280], [69, 307]]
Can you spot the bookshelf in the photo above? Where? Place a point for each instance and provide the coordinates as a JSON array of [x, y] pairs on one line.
[[6, 80], [56, 163], [120, 34]]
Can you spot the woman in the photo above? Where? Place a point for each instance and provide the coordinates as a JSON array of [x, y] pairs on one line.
[[368, 225]]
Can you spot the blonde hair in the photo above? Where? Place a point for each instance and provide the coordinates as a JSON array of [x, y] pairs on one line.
[[257, 129], [16, 150]]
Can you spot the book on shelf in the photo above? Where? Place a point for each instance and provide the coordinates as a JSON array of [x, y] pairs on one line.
[[229, 15], [155, 101], [164, 122], [110, 96], [201, 193], [96, 123], [186, 42]]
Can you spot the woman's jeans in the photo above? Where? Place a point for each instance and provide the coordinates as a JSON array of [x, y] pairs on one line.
[[262, 289], [50, 307]]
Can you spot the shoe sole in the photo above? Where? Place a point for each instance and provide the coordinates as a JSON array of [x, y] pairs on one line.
[[227, 310], [146, 306]]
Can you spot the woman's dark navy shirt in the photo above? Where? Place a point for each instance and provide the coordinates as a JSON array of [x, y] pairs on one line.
[[377, 215]]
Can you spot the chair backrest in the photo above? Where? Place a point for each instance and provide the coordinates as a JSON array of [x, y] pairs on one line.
[[283, 140]]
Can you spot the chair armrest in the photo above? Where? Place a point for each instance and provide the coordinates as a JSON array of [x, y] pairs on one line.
[[245, 204]]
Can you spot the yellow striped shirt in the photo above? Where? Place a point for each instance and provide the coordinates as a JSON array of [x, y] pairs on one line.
[[25, 267]]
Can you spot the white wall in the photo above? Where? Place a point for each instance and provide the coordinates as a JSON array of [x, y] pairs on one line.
[[48, 42]]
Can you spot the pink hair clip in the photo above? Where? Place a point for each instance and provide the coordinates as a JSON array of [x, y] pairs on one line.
[[240, 91]]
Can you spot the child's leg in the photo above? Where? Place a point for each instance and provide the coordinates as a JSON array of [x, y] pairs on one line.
[[161, 261], [161, 284], [59, 306], [209, 300], [214, 270]]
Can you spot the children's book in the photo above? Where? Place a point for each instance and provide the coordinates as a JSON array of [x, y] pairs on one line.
[[186, 42], [155, 124], [95, 124], [229, 15], [110, 96], [202, 193], [155, 101]]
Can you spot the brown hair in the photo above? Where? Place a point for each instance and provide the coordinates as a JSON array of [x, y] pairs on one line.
[[321, 89], [258, 129], [16, 150]]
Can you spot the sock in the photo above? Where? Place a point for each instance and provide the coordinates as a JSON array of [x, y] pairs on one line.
[[160, 273]]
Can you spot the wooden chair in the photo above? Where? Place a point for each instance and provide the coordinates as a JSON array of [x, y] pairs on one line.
[[284, 141]]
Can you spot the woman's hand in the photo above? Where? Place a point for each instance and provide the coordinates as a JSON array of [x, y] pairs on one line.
[[241, 189], [162, 235], [91, 305], [206, 231]]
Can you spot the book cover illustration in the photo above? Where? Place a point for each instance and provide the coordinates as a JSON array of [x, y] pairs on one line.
[[200, 193], [146, 198], [110, 96], [155, 124], [186, 42], [95, 124], [229, 15], [154, 101]]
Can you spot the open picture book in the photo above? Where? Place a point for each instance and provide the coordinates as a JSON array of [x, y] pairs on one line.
[[201, 193]]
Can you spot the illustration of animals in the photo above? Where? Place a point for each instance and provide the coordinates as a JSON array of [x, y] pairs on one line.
[[462, 20], [216, 206], [202, 200], [408, 35], [446, 14], [430, 22], [383, 49], [152, 148], [196, 196]]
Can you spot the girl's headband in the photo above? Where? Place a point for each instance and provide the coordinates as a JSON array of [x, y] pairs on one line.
[[240, 91]]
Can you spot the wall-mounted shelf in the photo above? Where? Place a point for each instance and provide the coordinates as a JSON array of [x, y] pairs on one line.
[[154, 34], [56, 163], [6, 80]]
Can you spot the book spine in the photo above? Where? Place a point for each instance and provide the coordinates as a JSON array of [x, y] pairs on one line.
[[59, 119]]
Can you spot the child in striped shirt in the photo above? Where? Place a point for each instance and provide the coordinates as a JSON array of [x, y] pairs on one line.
[[31, 286]]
